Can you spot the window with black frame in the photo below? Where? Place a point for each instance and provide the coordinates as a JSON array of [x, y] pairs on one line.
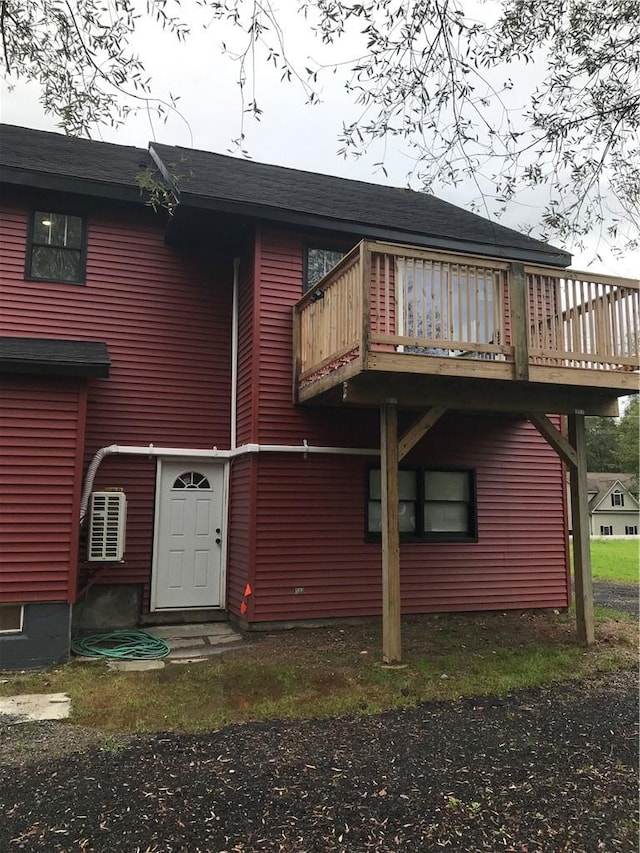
[[433, 505], [56, 250], [318, 262]]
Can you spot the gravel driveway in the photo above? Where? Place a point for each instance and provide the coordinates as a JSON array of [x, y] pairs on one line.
[[619, 596], [546, 770]]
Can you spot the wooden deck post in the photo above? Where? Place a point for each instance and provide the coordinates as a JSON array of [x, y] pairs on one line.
[[581, 541], [391, 634], [574, 453], [519, 337]]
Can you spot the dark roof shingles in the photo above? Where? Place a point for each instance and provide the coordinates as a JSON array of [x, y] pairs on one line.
[[100, 168], [29, 150], [54, 357], [217, 176]]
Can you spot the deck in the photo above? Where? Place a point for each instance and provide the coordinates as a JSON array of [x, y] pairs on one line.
[[423, 328]]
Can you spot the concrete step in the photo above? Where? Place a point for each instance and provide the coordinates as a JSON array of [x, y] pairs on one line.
[[190, 643], [200, 629]]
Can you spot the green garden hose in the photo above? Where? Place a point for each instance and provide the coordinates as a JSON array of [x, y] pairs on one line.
[[123, 645]]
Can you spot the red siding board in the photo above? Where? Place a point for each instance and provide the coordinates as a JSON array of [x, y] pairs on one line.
[[242, 541], [310, 514], [39, 487], [293, 522], [166, 318]]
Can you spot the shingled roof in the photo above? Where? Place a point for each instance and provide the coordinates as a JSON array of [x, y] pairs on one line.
[[370, 210], [599, 484], [54, 357], [261, 192], [53, 161]]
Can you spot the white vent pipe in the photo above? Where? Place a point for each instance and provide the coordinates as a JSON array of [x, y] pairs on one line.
[[209, 453]]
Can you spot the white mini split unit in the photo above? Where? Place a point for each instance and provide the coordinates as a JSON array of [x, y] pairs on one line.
[[107, 526]]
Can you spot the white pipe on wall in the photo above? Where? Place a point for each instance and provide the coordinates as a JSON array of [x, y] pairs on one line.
[[206, 453], [234, 353]]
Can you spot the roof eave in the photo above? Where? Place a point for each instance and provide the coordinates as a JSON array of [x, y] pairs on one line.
[[62, 183], [54, 357], [556, 258], [16, 367]]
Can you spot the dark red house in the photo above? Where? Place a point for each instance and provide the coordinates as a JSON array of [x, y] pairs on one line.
[[209, 414]]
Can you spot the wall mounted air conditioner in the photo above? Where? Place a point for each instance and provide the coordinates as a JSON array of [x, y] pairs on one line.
[[107, 526]]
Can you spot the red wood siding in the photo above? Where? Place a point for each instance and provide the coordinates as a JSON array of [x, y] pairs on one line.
[[166, 318], [311, 530], [247, 353], [279, 422], [41, 434], [310, 513], [242, 534]]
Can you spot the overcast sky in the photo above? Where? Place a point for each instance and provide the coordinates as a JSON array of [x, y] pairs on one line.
[[290, 133]]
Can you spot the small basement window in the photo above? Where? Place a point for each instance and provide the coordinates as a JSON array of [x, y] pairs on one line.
[[433, 505], [56, 250], [11, 618], [318, 262], [631, 530], [606, 530]]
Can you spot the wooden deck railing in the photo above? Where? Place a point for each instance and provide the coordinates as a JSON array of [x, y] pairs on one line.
[[436, 304], [386, 298], [330, 317], [578, 319]]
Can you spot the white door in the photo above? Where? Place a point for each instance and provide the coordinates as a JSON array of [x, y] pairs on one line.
[[188, 537]]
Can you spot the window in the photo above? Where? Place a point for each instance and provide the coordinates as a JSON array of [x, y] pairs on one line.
[[56, 249], [11, 618], [433, 505], [606, 530], [617, 498], [631, 530], [191, 480], [318, 263]]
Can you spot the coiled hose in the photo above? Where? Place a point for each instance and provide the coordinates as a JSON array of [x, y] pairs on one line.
[[123, 645]]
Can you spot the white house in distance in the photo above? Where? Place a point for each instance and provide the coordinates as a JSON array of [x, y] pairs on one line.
[[613, 506]]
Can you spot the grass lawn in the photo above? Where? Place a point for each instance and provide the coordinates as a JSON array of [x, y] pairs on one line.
[[615, 560], [331, 671]]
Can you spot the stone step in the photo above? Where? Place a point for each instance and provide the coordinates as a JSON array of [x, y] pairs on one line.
[[201, 629], [196, 653], [32, 707]]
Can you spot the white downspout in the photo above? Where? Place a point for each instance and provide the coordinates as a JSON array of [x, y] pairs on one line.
[[234, 354]]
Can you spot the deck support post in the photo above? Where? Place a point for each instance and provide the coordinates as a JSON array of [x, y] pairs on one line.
[[391, 631], [519, 337], [581, 540], [574, 453]]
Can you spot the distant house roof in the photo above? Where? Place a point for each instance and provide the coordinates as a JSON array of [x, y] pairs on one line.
[[262, 192], [599, 484], [49, 357]]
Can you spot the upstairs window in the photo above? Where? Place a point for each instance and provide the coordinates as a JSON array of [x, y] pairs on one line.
[[617, 498], [432, 505], [56, 250], [318, 263]]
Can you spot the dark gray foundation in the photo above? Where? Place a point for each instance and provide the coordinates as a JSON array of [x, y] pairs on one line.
[[107, 608], [44, 639]]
